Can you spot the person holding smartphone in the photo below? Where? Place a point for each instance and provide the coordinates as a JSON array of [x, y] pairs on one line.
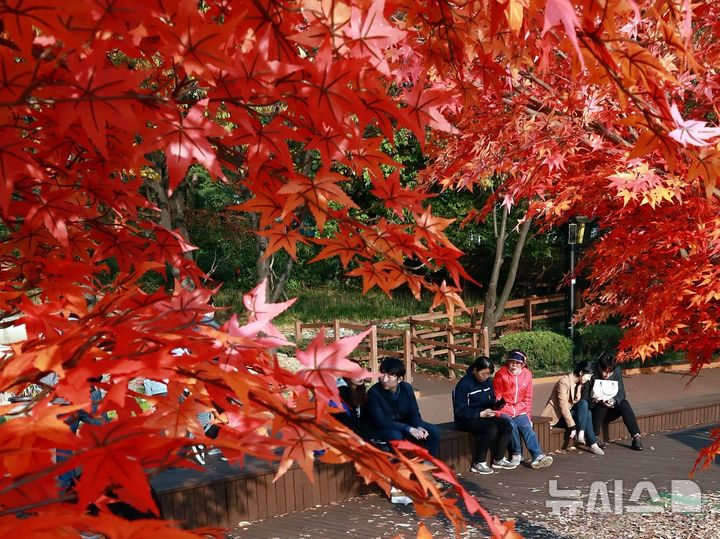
[[475, 410]]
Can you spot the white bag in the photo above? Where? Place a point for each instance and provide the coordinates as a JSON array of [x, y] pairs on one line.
[[604, 390]]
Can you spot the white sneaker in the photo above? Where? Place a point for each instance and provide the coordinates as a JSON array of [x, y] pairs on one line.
[[399, 497], [542, 461], [481, 467], [581, 438], [595, 450], [504, 464], [199, 453], [516, 459]]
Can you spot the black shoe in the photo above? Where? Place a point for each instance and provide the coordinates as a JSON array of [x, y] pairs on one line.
[[637, 444], [601, 445]]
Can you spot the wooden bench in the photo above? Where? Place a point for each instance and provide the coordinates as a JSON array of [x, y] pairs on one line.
[[225, 495]]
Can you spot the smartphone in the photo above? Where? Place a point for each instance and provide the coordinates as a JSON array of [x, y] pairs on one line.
[[498, 404]]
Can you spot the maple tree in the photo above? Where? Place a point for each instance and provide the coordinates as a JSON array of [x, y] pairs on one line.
[[90, 90], [622, 132]]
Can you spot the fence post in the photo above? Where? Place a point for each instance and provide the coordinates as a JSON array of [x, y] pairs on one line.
[[336, 328], [373, 352], [407, 356], [413, 336], [486, 341], [298, 331], [473, 325], [529, 312], [451, 351]]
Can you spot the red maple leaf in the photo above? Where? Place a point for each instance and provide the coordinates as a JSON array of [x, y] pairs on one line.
[[327, 362], [184, 138], [396, 197]]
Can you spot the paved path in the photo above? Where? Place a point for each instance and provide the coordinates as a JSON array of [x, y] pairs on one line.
[[646, 392], [523, 493]]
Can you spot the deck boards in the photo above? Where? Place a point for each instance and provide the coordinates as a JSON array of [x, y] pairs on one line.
[[223, 495], [667, 456]]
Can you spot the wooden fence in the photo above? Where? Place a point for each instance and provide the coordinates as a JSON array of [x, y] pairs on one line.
[[439, 339]]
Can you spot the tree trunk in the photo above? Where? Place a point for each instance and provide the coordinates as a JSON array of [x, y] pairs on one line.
[[264, 265], [494, 303], [172, 207]]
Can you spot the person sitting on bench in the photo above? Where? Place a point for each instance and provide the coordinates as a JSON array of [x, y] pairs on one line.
[[353, 400], [567, 408], [474, 410], [513, 383], [608, 400], [393, 409]]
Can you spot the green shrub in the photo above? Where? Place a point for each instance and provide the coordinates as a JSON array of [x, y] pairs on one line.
[[596, 339], [546, 351]]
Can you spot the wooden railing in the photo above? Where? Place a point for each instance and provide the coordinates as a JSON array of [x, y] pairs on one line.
[[457, 339]]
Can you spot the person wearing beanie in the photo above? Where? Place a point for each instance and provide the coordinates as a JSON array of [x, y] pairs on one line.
[[473, 407], [513, 384]]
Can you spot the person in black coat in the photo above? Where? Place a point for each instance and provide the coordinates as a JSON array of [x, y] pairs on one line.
[[473, 408], [393, 409], [353, 395], [607, 410]]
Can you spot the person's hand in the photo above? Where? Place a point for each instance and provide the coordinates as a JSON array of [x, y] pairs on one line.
[[573, 433], [418, 433], [487, 413], [594, 402], [610, 403]]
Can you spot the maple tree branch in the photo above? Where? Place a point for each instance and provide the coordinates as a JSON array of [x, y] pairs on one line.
[[65, 498], [540, 108], [531, 77], [93, 98], [653, 119]]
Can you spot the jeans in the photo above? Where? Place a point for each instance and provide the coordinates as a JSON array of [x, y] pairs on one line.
[[583, 420], [602, 414], [521, 426], [488, 433], [431, 443]]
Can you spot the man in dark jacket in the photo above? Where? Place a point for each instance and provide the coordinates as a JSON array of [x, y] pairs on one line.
[[605, 410], [394, 411]]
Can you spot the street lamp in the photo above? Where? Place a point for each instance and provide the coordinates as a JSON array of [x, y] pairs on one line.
[[576, 235]]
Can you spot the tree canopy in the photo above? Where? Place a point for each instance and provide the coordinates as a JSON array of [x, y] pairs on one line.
[[603, 109]]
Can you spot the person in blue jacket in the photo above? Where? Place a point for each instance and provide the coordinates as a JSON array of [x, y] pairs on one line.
[[474, 406], [393, 409]]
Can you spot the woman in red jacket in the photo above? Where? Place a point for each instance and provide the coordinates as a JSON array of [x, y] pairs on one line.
[[513, 383]]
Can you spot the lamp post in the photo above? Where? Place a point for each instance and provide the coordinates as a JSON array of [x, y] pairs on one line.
[[576, 235]]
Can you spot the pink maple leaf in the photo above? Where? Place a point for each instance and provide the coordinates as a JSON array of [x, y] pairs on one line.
[[327, 362], [563, 11], [260, 316], [691, 132], [507, 202]]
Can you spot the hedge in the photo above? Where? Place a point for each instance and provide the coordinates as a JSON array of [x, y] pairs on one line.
[[547, 352]]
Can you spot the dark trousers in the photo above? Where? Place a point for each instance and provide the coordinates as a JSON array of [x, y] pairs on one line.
[[602, 414], [431, 443], [488, 433]]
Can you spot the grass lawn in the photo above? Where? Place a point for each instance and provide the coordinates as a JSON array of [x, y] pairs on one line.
[[324, 304]]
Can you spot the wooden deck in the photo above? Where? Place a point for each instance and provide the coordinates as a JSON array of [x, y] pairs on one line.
[[224, 495], [520, 494]]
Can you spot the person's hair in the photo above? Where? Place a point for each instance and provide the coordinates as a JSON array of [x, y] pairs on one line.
[[583, 367], [358, 394], [480, 364], [517, 355], [392, 366], [606, 362]]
